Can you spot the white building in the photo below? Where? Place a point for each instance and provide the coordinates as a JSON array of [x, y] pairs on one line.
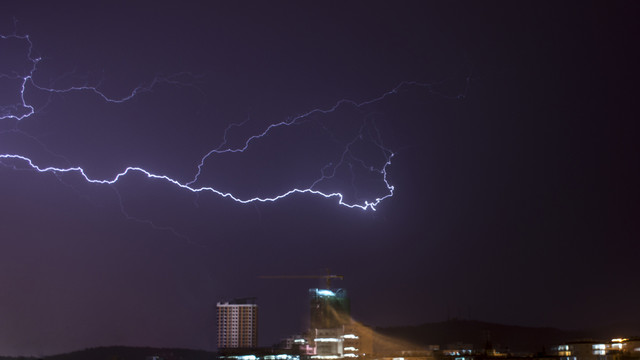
[[238, 324]]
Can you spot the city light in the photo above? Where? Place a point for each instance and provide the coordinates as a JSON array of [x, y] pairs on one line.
[[326, 340], [324, 292]]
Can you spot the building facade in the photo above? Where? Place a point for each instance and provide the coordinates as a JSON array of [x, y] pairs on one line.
[[237, 324], [329, 309], [329, 313]]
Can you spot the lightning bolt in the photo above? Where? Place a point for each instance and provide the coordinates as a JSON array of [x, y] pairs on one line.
[[22, 110]]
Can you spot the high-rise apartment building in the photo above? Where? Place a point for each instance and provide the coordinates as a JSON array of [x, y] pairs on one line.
[[238, 324], [329, 308], [330, 313]]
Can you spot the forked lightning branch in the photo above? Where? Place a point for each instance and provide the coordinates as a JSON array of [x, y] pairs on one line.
[[22, 110]]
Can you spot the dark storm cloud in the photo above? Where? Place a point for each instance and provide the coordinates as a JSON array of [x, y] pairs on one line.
[[512, 203]]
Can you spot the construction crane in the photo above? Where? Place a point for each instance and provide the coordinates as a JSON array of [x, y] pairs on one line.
[[327, 277]]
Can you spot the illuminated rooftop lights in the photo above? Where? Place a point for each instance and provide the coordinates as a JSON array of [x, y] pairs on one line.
[[324, 292], [619, 340], [351, 355], [350, 336], [350, 348]]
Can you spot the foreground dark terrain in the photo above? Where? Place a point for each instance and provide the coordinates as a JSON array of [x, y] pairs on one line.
[[126, 353], [503, 337]]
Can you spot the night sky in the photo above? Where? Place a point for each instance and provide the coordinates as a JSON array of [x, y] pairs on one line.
[[515, 165]]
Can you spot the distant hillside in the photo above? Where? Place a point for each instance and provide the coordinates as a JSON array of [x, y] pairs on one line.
[[502, 337], [625, 329], [126, 353]]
